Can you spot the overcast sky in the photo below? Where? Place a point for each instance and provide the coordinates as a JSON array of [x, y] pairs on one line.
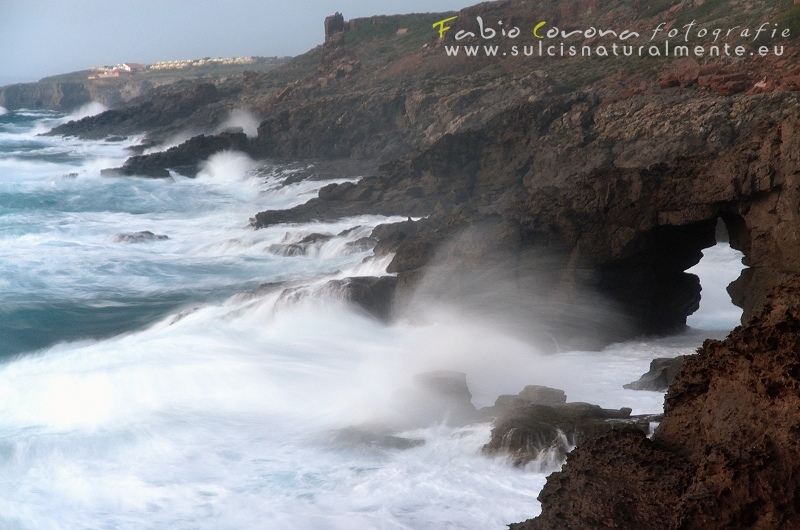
[[45, 37]]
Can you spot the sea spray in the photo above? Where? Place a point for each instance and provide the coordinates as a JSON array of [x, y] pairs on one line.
[[240, 118], [93, 108]]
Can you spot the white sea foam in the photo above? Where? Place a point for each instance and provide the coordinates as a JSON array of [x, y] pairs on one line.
[[3, 111]]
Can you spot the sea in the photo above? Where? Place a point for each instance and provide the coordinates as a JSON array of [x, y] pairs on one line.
[[146, 382]]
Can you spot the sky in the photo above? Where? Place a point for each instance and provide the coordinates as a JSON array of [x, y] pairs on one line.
[[47, 37]]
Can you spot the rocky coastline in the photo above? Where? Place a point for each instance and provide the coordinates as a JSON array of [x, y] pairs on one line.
[[585, 190]]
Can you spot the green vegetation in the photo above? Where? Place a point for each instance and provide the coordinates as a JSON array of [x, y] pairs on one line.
[[378, 36], [654, 7], [790, 19]]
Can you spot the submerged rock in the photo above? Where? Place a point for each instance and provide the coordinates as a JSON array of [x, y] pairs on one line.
[[372, 438], [661, 374], [139, 237]]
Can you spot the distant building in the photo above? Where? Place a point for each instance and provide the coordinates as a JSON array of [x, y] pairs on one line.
[[120, 70], [131, 67]]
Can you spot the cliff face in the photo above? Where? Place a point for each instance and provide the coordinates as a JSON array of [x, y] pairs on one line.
[[626, 193], [69, 95], [56, 96], [725, 456]]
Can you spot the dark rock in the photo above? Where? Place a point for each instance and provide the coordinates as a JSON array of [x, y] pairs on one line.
[[373, 294], [524, 432], [362, 244], [333, 24], [313, 239], [185, 158], [139, 237], [660, 376], [301, 247], [288, 250], [531, 172]]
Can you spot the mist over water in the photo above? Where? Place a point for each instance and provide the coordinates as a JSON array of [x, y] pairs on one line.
[[140, 389]]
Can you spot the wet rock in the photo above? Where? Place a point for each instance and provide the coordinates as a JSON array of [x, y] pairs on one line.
[[362, 244], [288, 250], [139, 237], [185, 158], [302, 247], [524, 432], [313, 239], [373, 294], [661, 374]]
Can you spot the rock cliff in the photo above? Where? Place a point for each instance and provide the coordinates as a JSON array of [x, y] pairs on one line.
[[725, 455]]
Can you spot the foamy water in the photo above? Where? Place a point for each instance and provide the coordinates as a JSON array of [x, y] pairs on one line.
[[140, 391]]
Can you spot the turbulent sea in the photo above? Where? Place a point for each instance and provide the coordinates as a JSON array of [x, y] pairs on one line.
[[140, 389]]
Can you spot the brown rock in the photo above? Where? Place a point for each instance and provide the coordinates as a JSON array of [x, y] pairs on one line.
[[726, 455], [524, 432], [682, 73], [661, 374]]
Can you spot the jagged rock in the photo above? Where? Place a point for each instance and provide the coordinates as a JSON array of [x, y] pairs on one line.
[[288, 250], [373, 294], [313, 239], [185, 158], [628, 490], [524, 432], [139, 237], [726, 454], [301, 247], [661, 374], [362, 244]]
